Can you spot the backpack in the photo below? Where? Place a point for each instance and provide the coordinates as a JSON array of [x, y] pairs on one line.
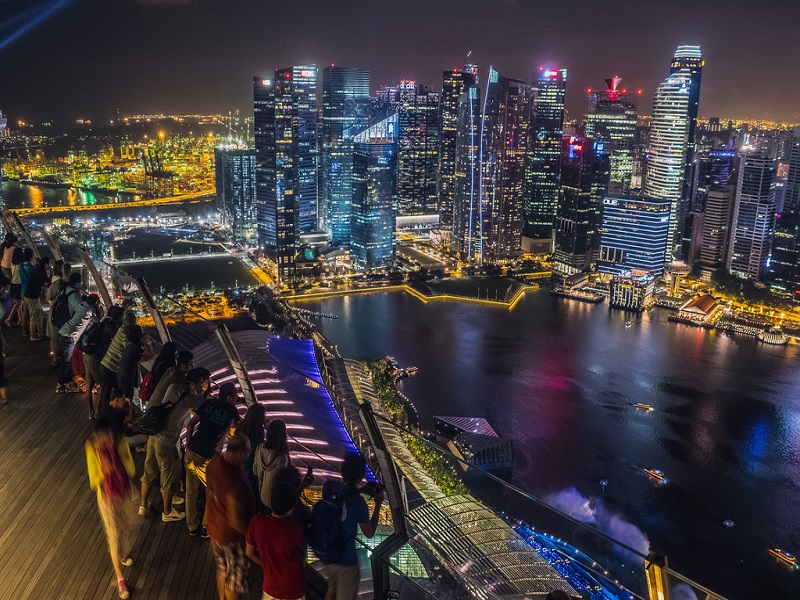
[[90, 339], [60, 313], [326, 537], [115, 481], [155, 418]]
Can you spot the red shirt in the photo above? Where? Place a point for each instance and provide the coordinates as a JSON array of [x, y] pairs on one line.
[[281, 546], [224, 480]]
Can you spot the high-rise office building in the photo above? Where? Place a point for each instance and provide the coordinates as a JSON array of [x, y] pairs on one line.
[[670, 150], [285, 118], [543, 157], [467, 198], [503, 148], [585, 175], [714, 235], [490, 169], [235, 171], [784, 271], [612, 119], [455, 84], [633, 235], [753, 224], [417, 149], [375, 194], [708, 223], [346, 108], [264, 130]]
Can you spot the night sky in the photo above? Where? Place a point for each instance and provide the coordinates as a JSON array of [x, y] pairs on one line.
[[90, 58]]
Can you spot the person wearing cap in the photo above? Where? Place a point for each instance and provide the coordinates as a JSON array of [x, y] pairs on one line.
[[81, 314], [205, 435]]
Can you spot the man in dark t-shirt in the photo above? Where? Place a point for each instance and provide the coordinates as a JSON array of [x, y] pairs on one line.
[[205, 434]]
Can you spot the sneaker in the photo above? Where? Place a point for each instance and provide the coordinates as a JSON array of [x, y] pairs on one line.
[[178, 500], [60, 388], [71, 388], [195, 532], [172, 515], [122, 588], [144, 509], [204, 533], [126, 561]]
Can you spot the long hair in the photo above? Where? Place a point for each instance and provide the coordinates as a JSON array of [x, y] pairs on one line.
[[276, 437], [16, 258], [253, 423]]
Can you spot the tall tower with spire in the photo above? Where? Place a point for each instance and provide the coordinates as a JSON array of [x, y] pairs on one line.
[[670, 148]]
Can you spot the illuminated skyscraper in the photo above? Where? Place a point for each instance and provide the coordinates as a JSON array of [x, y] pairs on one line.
[[235, 170], [506, 118], [753, 218], [715, 231], [633, 235], [540, 196], [417, 149], [784, 270], [467, 198], [375, 194], [345, 111], [455, 84], [285, 116], [264, 129], [670, 151], [585, 173], [612, 120]]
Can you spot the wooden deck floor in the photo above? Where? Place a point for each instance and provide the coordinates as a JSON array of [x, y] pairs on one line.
[[51, 539]]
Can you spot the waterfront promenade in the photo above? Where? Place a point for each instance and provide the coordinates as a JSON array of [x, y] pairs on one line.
[[51, 539]]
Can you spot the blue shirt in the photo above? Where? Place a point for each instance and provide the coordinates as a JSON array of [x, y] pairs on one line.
[[356, 512]]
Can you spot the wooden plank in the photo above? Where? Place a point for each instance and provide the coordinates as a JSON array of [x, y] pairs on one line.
[[52, 543]]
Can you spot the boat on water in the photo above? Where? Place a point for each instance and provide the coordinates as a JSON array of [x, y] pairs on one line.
[[656, 474], [644, 407], [786, 557]]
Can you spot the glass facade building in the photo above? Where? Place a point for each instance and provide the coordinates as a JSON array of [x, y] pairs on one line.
[[673, 121], [455, 84], [784, 270], [346, 108], [544, 154], [753, 218], [466, 206], [503, 146], [375, 195], [235, 171], [633, 235], [585, 173], [612, 119], [285, 119], [264, 130], [417, 149]]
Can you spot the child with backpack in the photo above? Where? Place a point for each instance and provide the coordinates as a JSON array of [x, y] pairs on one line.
[[335, 521]]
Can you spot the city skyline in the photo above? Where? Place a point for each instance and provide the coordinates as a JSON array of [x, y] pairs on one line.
[[184, 56]]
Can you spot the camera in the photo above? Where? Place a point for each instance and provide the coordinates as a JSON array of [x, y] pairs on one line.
[[371, 488]]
